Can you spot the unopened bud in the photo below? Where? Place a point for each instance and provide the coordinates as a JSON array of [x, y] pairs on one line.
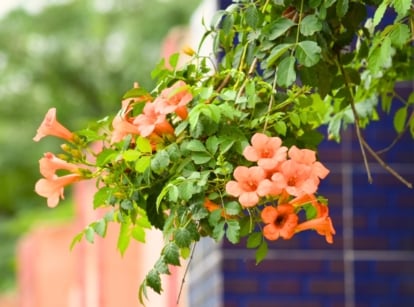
[[188, 50]]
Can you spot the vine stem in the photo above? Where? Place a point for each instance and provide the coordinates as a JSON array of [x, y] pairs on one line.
[[270, 102], [363, 144], [385, 165], [356, 119], [185, 273]]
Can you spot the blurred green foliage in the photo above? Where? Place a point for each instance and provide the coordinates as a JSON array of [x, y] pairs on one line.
[[80, 57]]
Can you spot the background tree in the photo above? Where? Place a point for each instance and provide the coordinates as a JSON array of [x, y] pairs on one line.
[[79, 57]]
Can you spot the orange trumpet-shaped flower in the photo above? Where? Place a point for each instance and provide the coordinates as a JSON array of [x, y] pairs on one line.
[[267, 151], [173, 99], [122, 127], [308, 157], [50, 163], [50, 126], [280, 221], [52, 188], [151, 120], [323, 226], [246, 185], [296, 178], [322, 223]]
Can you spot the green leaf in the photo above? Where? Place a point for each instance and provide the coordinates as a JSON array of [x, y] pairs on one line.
[[286, 74], [309, 25], [411, 126], [254, 240], [135, 92], [228, 95], [171, 254], [100, 227], [76, 239], [214, 217], [201, 157], [218, 231], [127, 204], [252, 16], [142, 164], [400, 118], [261, 252], [182, 237], [106, 156], [206, 92], [144, 145], [233, 231], [379, 13], [212, 144], [280, 27], [281, 128], [173, 60], [185, 252], [276, 53], [232, 208], [308, 53], [311, 211], [138, 233], [90, 234], [160, 161], [401, 6], [196, 145], [123, 237], [400, 35], [153, 280], [130, 155], [342, 7], [294, 119], [101, 197]]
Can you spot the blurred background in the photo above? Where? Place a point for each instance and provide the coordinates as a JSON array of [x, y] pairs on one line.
[[82, 55], [78, 56]]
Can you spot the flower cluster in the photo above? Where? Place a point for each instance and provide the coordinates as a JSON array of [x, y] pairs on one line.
[[175, 161], [281, 174]]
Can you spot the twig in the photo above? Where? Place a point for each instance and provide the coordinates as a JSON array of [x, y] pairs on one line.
[[385, 165], [399, 135], [249, 73], [356, 118], [185, 273], [220, 87]]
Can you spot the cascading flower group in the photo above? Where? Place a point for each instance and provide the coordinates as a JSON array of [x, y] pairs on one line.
[[225, 145], [284, 180]]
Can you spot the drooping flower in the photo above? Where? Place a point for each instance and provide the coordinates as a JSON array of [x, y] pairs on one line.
[[267, 151], [151, 120], [50, 163], [246, 185], [52, 188], [280, 221], [50, 126], [322, 224], [174, 99]]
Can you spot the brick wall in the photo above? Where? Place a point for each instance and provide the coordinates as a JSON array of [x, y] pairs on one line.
[[371, 262]]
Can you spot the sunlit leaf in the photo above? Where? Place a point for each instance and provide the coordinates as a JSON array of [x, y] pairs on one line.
[[400, 118], [286, 74]]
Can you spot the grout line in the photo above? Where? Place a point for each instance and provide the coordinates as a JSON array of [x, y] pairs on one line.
[[321, 254]]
